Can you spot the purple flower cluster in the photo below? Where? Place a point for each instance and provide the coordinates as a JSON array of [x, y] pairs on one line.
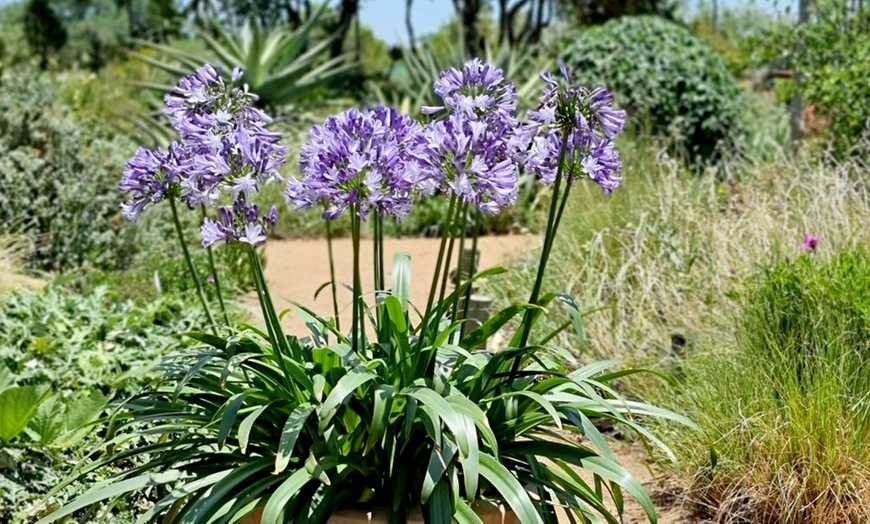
[[586, 122], [359, 158], [224, 149], [149, 177], [241, 222], [474, 153], [479, 91], [229, 149], [470, 159]]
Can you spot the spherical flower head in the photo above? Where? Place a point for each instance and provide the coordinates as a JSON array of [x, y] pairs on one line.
[[225, 136], [581, 121], [240, 223], [359, 158], [478, 91], [471, 160], [149, 177]]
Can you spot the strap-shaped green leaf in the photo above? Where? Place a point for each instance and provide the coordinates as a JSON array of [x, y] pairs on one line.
[[111, 490], [289, 435], [510, 489], [274, 509], [345, 387]]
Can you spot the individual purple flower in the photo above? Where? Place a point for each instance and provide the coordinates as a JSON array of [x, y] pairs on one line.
[[240, 223], [359, 158], [582, 120], [470, 159], [150, 177], [811, 243], [477, 91]]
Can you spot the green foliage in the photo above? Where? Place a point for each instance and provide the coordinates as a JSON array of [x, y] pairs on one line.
[[57, 176], [282, 66], [301, 427], [666, 77], [836, 62], [72, 341], [62, 356], [793, 438]]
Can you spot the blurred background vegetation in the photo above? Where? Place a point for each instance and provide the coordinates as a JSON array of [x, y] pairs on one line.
[[748, 130]]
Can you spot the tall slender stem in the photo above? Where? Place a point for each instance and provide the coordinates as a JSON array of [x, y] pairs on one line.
[[189, 261], [273, 323], [435, 278], [449, 257], [472, 269], [333, 283], [214, 275], [376, 266], [381, 271], [550, 234], [457, 282], [357, 286]]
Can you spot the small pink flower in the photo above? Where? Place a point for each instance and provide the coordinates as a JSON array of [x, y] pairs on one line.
[[811, 242], [210, 279]]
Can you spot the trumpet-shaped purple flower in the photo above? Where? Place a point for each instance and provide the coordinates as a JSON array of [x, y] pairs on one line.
[[586, 122], [359, 158], [241, 222], [472, 160], [478, 91], [149, 177]]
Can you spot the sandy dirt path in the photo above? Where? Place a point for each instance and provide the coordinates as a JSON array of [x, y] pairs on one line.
[[296, 268]]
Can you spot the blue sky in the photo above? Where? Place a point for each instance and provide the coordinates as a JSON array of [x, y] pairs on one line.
[[387, 17]]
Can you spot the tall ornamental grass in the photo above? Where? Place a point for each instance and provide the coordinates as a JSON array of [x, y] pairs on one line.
[[655, 266], [786, 417]]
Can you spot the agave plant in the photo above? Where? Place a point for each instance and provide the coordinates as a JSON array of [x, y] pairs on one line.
[[281, 65]]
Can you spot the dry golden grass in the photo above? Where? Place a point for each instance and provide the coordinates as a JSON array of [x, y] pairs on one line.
[[658, 266], [12, 255]]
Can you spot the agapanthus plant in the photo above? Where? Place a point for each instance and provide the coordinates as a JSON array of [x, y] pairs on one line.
[[273, 428]]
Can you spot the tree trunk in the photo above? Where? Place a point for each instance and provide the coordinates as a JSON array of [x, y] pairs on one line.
[[797, 99], [409, 25], [347, 15], [469, 17]]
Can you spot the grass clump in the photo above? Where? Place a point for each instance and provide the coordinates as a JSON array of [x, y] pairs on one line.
[[786, 415]]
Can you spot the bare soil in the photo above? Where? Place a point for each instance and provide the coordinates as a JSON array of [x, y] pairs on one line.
[[295, 269]]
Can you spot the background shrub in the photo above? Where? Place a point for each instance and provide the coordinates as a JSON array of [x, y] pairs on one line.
[[58, 177], [664, 74]]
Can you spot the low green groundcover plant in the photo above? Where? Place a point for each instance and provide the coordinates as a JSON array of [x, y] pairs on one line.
[[398, 408], [792, 441], [63, 356]]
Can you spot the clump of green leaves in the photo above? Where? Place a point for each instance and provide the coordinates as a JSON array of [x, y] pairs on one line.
[[663, 73], [72, 341], [62, 357], [836, 62]]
